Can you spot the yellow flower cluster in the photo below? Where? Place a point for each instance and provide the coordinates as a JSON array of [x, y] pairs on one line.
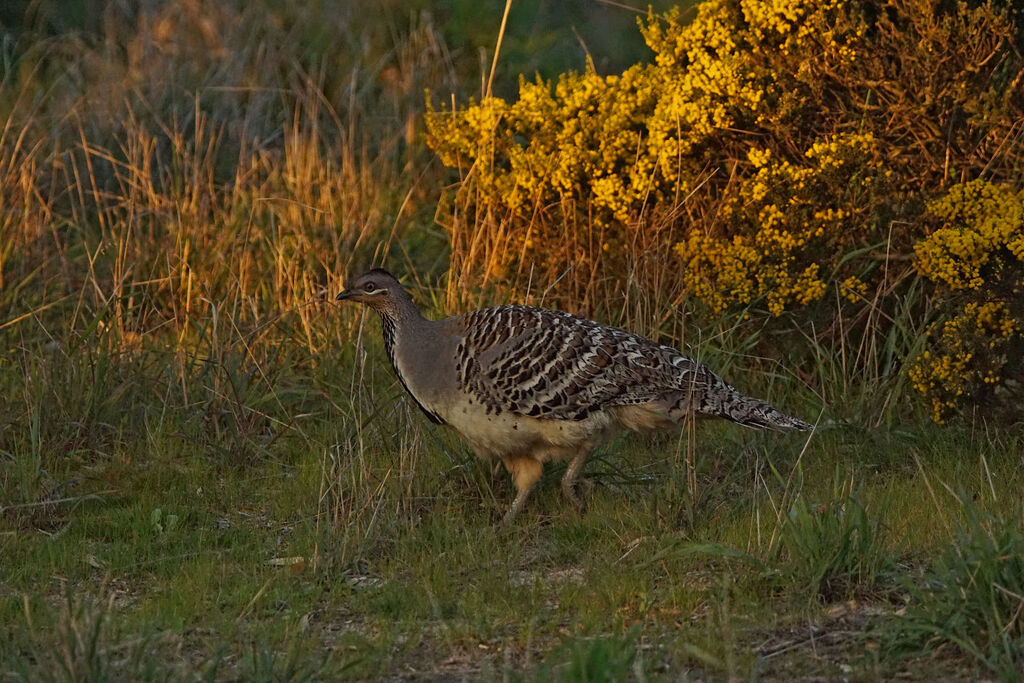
[[970, 353], [578, 139], [853, 289], [834, 153], [983, 227], [978, 250], [788, 25], [783, 216], [745, 272]]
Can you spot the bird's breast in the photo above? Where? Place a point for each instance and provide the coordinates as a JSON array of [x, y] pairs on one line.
[[506, 433], [423, 371]]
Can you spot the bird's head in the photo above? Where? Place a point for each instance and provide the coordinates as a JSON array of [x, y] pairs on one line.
[[377, 288]]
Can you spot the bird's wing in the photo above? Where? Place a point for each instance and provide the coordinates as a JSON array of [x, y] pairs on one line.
[[548, 364]]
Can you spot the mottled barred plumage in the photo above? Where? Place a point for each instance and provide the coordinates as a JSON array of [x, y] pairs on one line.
[[530, 385], [554, 365]]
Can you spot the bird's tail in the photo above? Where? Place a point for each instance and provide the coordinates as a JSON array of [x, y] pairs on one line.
[[750, 412]]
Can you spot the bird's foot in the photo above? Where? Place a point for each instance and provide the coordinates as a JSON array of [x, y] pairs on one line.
[[571, 491], [517, 505], [510, 515]]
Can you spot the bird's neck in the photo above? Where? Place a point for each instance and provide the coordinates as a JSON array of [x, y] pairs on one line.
[[404, 321], [402, 317]]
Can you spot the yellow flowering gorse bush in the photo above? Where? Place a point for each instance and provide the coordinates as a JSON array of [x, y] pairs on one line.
[[783, 217], [984, 229], [977, 254], [623, 141], [772, 152], [969, 354]]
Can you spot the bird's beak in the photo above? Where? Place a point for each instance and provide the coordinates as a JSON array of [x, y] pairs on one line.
[[346, 294]]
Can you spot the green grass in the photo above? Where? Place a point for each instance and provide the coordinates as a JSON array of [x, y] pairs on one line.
[[972, 598], [370, 547]]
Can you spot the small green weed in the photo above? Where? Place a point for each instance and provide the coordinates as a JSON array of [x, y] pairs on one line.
[[972, 598], [828, 551], [601, 658], [84, 647], [266, 664], [835, 549], [161, 522]]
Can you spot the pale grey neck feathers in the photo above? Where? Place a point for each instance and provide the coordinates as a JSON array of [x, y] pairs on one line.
[[397, 313]]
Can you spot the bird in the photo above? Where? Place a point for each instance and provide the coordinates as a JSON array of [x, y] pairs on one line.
[[530, 385]]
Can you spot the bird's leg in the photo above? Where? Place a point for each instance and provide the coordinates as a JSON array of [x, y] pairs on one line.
[[525, 473], [571, 474]]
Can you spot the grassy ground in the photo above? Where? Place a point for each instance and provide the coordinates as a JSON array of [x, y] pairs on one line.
[[207, 471], [346, 535]]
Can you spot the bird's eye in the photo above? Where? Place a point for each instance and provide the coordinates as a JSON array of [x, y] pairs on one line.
[[369, 287]]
